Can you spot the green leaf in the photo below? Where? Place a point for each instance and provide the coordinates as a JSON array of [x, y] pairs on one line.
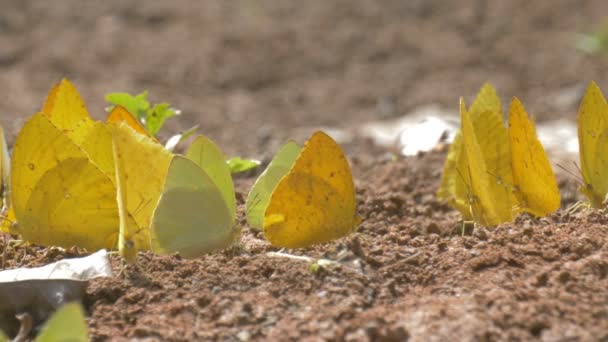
[[157, 115], [137, 105], [238, 164], [67, 324]]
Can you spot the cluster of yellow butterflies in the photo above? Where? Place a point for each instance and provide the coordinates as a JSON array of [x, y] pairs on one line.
[[494, 172], [73, 181]]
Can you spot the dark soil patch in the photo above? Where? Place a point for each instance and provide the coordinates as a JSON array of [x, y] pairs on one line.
[[254, 73]]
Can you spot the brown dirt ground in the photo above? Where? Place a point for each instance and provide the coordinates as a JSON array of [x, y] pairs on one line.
[[255, 73]]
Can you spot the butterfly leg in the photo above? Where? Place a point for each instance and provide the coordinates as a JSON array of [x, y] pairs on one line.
[[577, 207], [468, 227]]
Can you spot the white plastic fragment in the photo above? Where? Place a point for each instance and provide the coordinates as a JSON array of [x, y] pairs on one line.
[[82, 269], [174, 140], [39, 291], [418, 131]]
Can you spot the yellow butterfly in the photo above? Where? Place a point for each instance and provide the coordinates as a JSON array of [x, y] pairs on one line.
[[120, 114], [6, 209], [477, 171], [593, 145], [64, 188], [307, 198], [492, 173], [59, 195], [141, 166], [535, 186], [489, 171], [197, 209]]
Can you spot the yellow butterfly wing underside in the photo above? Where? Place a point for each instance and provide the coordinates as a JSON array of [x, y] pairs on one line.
[[455, 185], [535, 185], [453, 188], [120, 114], [492, 137], [67, 111], [130, 237], [59, 197], [142, 165], [593, 147], [6, 210], [192, 216], [486, 101], [315, 201], [491, 200]]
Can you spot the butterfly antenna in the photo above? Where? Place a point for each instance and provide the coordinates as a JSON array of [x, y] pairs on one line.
[[572, 174], [254, 203], [472, 197], [142, 204], [464, 180], [580, 172]]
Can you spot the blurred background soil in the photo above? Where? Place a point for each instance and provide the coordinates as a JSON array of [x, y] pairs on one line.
[[255, 73]]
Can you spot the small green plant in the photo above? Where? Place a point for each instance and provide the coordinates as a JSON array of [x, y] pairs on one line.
[[596, 42], [238, 164], [152, 117]]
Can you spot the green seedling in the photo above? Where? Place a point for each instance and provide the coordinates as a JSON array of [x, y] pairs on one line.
[[238, 164], [152, 117], [595, 42]]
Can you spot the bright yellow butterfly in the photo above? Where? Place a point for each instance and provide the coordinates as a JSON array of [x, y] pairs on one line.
[[492, 173], [6, 209], [477, 173], [59, 196], [65, 188], [313, 202], [120, 114], [535, 186], [489, 172], [593, 145], [141, 166]]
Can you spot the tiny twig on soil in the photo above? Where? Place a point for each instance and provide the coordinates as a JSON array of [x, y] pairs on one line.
[[25, 319], [321, 262]]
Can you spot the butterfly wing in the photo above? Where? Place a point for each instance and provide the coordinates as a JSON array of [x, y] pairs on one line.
[[259, 195], [66, 324], [73, 204], [131, 238], [205, 153], [191, 217], [120, 114], [487, 100], [315, 201], [592, 123], [536, 187], [5, 171], [142, 166], [67, 111], [490, 198], [455, 187]]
